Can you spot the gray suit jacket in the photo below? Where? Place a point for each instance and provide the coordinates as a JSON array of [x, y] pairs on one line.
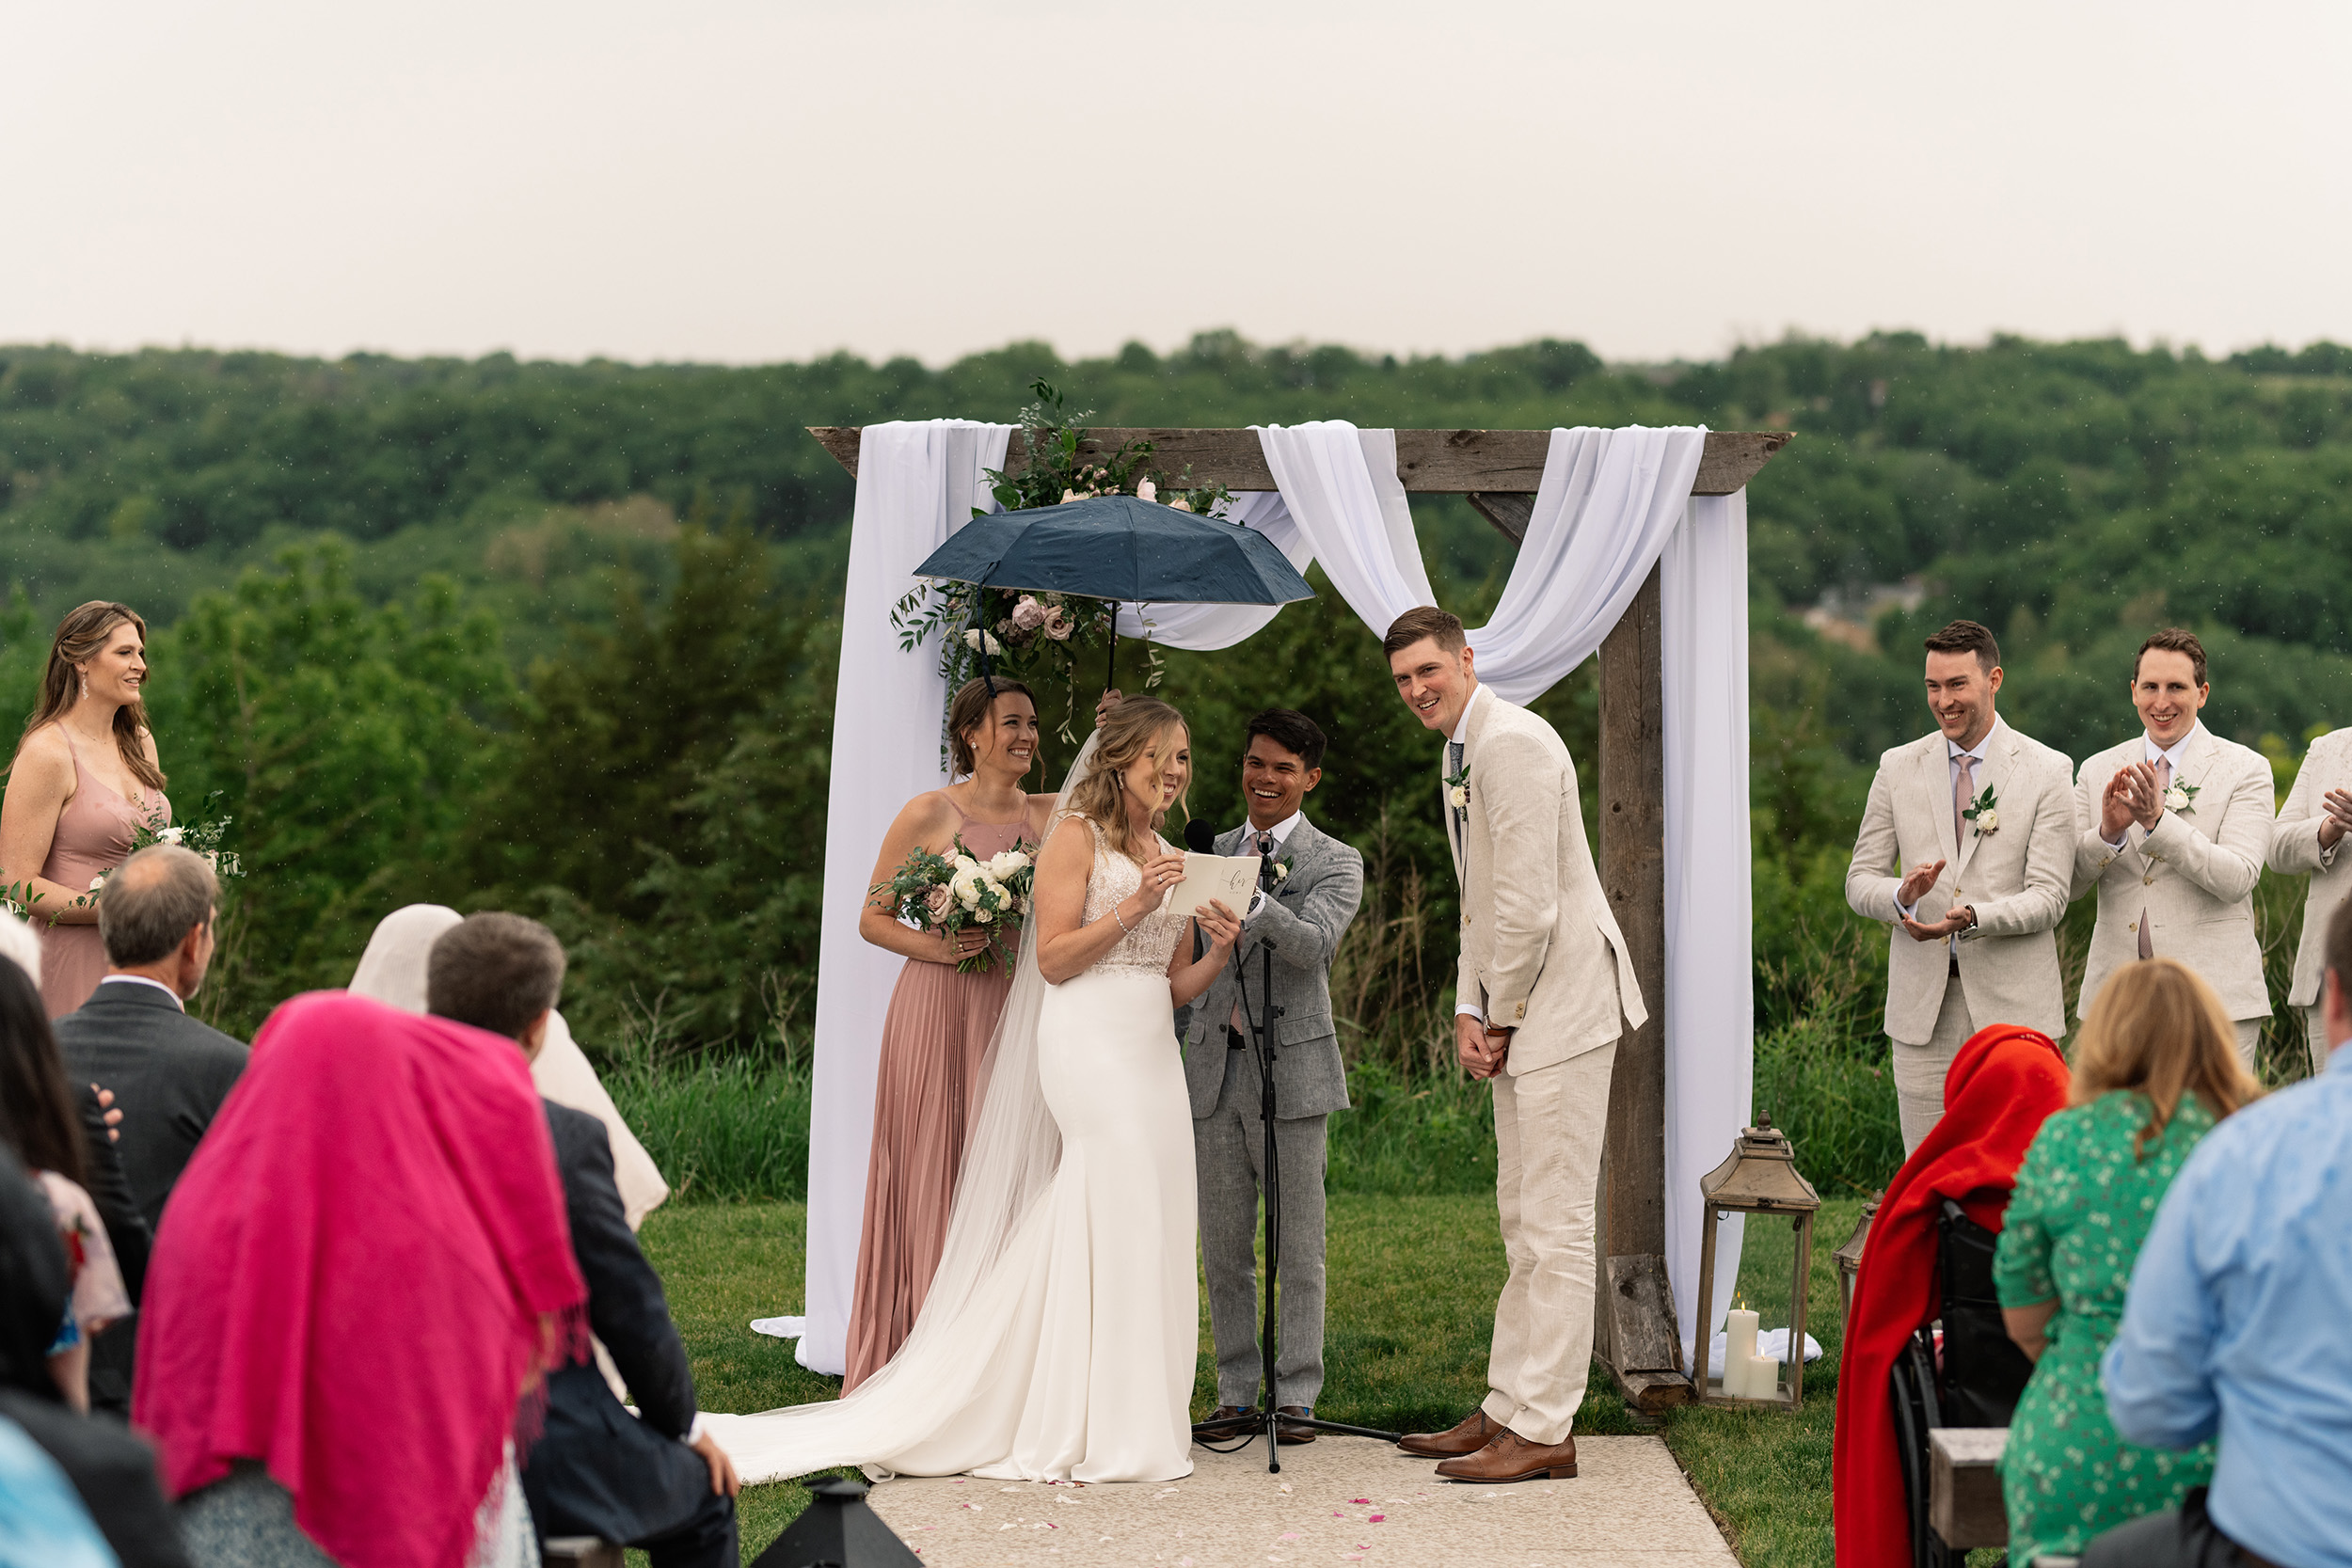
[[1305, 916], [169, 1071]]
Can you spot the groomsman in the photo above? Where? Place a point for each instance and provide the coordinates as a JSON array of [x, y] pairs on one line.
[[1310, 885], [1966, 850], [2177, 823], [1545, 989], [2310, 826]]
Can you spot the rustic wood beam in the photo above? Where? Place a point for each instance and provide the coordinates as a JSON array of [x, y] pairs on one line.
[[1430, 462]]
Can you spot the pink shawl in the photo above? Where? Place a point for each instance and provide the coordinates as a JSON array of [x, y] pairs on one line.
[[360, 1270]]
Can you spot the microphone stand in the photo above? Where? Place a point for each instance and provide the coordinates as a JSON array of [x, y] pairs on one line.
[[1262, 1025]]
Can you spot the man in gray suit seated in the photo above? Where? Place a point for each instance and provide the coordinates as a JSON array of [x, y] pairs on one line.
[[1309, 884], [169, 1071]]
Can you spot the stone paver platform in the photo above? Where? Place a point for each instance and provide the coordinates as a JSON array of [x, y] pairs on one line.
[[1337, 1500]]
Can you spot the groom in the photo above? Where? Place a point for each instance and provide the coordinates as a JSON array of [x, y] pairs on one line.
[[1545, 989], [1309, 884]]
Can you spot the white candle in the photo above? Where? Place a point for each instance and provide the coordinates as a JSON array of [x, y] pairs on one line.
[[1763, 1379], [1738, 1351]]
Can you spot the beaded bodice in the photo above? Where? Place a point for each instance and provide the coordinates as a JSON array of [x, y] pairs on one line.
[[1147, 948]]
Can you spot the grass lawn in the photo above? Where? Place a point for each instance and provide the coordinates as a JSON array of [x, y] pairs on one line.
[[1412, 1284]]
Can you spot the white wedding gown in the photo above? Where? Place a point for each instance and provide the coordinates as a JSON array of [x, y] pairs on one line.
[[1057, 1342]]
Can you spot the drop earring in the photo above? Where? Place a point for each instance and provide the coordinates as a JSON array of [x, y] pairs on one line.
[[86, 684]]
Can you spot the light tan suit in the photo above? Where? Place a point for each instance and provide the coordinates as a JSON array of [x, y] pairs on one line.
[[2016, 879], [1542, 955], [2191, 880], [2294, 849]]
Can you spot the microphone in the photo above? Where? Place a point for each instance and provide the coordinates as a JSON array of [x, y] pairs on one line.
[[1199, 838]]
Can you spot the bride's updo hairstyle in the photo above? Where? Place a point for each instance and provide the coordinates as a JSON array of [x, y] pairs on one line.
[[81, 635], [1128, 732], [969, 713]]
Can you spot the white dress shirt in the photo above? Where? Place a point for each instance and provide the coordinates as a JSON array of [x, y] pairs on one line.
[[2152, 753], [1953, 752], [1281, 832], [144, 980]]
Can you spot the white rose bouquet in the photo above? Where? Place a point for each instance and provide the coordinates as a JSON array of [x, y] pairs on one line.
[[203, 837], [948, 893]]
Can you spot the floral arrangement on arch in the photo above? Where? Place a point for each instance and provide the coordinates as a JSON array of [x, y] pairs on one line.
[[1035, 636]]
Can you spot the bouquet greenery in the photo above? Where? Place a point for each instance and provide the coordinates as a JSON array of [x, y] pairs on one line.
[[203, 837], [948, 893]]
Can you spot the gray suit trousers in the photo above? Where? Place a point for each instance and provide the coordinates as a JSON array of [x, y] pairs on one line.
[[1229, 1152]]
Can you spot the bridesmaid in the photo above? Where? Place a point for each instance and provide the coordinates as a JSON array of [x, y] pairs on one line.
[[85, 778], [940, 1023]]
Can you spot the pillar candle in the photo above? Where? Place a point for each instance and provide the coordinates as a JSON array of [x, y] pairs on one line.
[[1763, 1379], [1738, 1351]]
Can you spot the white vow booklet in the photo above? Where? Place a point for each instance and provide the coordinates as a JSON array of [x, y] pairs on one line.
[[1227, 878]]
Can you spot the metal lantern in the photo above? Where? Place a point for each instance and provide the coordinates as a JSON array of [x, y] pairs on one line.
[[1759, 1178], [1850, 1255]]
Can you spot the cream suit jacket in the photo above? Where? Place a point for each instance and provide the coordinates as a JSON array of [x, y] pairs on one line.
[[2015, 877], [2295, 847], [1541, 952], [2194, 875]]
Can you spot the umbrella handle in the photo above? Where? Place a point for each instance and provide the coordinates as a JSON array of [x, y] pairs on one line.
[[1110, 663]]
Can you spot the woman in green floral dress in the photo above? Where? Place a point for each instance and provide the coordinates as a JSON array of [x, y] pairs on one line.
[[2155, 1065]]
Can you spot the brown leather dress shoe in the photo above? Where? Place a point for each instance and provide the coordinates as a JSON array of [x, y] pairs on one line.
[[1511, 1457], [1474, 1432], [1289, 1433], [1232, 1419]]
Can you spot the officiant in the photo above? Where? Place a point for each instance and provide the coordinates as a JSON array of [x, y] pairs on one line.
[[1308, 886]]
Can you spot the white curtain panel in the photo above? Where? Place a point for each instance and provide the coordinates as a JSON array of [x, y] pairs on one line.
[[916, 485], [1710, 998]]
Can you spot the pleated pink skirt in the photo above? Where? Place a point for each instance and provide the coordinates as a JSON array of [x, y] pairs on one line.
[[927, 1094]]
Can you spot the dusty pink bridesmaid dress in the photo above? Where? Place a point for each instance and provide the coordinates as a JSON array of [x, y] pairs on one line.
[[926, 1094], [94, 835]]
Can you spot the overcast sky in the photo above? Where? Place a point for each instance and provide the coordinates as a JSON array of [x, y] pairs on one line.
[[722, 180]]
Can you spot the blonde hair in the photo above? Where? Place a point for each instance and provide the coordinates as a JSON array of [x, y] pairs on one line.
[[2158, 1028], [80, 636], [1128, 732]]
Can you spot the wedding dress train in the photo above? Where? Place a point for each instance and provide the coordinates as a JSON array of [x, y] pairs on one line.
[[1057, 1342]]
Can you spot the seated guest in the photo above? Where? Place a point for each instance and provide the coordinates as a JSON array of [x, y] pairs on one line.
[[40, 1123], [2231, 1326], [2004, 1083], [108, 1475], [134, 1040], [656, 1480], [364, 1275], [2157, 1066], [392, 970]]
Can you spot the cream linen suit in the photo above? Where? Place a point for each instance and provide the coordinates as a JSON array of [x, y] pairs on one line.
[[1542, 955], [2294, 849], [2015, 877], [2191, 878]]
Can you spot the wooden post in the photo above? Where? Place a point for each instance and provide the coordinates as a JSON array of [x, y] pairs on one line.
[[1643, 1351]]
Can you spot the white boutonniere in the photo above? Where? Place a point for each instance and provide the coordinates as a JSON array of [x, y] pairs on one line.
[[1281, 871], [2182, 798], [1985, 812], [1458, 788]]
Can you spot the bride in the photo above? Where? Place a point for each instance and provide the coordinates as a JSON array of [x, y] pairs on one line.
[[1058, 1341]]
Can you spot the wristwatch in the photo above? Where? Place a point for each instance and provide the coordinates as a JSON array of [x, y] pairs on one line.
[[1972, 917]]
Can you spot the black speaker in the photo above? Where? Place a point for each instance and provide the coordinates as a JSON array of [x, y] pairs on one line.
[[840, 1530]]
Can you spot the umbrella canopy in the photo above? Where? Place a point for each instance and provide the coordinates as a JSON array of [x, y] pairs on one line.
[[1118, 547]]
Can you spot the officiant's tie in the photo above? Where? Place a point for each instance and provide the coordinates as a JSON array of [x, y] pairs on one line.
[[1265, 881], [2164, 781]]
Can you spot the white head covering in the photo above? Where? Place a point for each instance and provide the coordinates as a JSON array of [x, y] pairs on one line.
[[18, 941], [392, 971]]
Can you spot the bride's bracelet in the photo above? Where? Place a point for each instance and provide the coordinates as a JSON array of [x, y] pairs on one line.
[[1122, 919]]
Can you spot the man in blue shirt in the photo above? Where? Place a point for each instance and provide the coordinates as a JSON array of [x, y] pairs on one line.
[[2234, 1326]]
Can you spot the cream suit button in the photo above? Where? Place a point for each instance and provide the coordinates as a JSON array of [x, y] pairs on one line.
[[2133, 927], [2149, 881]]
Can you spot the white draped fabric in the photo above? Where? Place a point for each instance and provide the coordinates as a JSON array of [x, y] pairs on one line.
[[1612, 503], [916, 483], [1711, 999]]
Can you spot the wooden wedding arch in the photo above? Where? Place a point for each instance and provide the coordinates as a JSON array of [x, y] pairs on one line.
[[1498, 471]]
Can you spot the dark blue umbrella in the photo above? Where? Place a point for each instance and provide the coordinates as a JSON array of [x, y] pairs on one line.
[[1117, 548]]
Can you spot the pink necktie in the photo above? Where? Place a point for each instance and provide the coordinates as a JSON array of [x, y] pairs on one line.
[[1963, 792], [2164, 781]]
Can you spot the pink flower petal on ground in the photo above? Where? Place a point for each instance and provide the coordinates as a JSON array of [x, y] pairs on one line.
[[1366, 1501], [1376, 1519], [1288, 1535]]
